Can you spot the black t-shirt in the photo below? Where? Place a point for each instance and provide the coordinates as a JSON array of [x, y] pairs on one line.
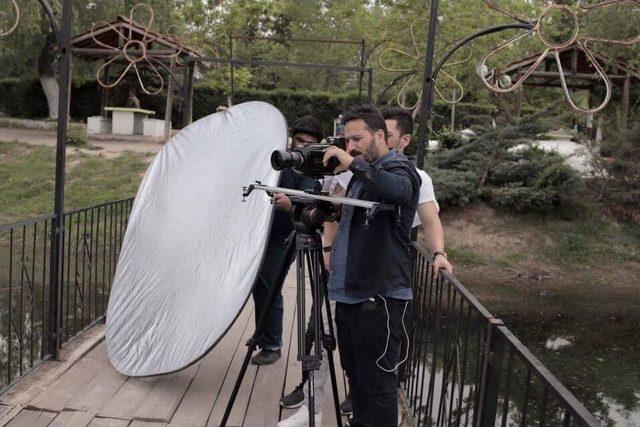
[[282, 225]]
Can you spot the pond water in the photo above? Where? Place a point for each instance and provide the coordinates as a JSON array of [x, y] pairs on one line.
[[596, 357]]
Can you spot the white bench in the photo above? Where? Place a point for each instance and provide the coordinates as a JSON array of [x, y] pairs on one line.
[[98, 125], [153, 128], [128, 121]]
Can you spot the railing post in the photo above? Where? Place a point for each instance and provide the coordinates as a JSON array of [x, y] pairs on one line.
[[491, 371]]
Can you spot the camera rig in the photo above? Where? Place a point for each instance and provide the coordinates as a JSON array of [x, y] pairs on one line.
[[371, 208]]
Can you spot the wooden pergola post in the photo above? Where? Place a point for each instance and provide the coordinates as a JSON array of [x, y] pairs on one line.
[[189, 93], [626, 91], [105, 92], [168, 110], [518, 111]]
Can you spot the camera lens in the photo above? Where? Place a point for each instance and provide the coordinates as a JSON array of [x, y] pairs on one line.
[[281, 159]]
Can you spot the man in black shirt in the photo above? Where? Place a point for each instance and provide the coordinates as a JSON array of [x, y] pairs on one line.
[[306, 130]]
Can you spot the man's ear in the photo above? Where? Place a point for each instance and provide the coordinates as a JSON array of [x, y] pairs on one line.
[[405, 140], [380, 137]]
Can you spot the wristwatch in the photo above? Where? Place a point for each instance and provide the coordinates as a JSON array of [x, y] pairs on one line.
[[436, 253]]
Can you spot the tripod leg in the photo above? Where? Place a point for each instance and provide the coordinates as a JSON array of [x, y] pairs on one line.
[[332, 367], [252, 342], [325, 323]]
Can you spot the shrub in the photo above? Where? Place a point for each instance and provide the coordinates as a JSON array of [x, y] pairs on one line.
[[76, 137], [453, 187], [519, 198], [25, 99]]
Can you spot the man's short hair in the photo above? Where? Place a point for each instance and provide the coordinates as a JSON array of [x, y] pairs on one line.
[[402, 117], [369, 115], [308, 124]]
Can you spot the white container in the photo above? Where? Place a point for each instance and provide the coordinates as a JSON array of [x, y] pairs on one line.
[[153, 128], [98, 125]]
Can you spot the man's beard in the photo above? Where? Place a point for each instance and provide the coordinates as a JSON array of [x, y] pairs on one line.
[[372, 153], [355, 153]]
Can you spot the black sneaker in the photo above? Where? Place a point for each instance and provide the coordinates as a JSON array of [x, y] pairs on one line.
[[345, 407], [266, 357], [294, 399]]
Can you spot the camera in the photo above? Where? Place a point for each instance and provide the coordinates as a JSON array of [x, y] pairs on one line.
[[307, 159]]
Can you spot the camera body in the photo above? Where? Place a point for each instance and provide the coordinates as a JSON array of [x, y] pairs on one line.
[[307, 159]]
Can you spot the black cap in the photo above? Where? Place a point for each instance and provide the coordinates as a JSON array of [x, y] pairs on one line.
[[308, 124]]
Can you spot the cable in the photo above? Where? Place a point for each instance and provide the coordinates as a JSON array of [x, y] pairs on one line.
[[386, 346]]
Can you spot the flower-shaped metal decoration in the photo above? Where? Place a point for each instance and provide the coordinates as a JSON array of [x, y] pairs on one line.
[[13, 22], [501, 83], [134, 52], [415, 56]]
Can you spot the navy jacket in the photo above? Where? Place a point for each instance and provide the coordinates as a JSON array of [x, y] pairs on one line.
[[379, 255]]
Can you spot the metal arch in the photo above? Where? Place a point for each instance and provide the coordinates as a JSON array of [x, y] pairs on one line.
[[16, 10], [145, 57], [576, 40], [410, 73]]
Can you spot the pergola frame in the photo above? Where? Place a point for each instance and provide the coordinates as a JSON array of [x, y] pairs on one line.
[[360, 43], [84, 46], [578, 67]]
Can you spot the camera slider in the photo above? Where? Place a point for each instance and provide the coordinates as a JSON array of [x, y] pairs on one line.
[[371, 208]]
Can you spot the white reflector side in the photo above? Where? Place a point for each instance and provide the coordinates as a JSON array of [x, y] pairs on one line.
[[192, 249]]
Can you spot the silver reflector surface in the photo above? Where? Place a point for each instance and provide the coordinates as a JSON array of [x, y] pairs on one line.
[[192, 249]]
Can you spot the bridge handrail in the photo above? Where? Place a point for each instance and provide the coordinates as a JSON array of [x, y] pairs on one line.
[[445, 315]]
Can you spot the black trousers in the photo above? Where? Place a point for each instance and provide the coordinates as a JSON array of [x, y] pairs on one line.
[[369, 353]]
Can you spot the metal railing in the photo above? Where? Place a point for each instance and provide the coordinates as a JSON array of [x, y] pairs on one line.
[[466, 368], [92, 238]]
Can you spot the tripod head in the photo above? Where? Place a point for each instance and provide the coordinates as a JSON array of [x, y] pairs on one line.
[[308, 215]]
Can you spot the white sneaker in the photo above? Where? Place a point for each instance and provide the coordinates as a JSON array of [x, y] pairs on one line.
[[300, 418]]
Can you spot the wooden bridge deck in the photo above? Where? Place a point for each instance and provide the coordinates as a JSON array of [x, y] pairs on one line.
[[92, 393]]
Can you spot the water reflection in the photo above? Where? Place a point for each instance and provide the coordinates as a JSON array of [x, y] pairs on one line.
[[587, 357], [595, 357], [558, 342]]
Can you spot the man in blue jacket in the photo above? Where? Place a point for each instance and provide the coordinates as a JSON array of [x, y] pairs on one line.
[[370, 267]]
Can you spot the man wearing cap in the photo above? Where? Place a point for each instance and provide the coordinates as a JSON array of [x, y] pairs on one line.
[[306, 130]]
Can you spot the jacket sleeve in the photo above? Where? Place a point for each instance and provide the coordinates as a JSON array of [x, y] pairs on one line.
[[396, 186]]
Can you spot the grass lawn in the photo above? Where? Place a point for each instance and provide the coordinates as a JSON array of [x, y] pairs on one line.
[[27, 178], [521, 262]]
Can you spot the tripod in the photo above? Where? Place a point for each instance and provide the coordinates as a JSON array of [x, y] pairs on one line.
[[306, 241]]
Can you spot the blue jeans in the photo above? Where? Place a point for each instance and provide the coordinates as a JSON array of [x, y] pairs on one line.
[[271, 338]]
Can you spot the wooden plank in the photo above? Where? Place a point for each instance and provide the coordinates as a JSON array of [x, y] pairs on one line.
[[32, 418], [166, 395], [263, 409], [56, 397], [126, 401], [138, 423], [99, 353], [99, 390], [240, 406], [72, 419], [108, 422], [198, 401]]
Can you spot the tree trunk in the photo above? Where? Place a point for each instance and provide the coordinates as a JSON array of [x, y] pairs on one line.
[[47, 76]]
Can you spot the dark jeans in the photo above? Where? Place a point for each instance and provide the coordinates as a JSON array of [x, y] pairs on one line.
[[362, 339], [271, 338]]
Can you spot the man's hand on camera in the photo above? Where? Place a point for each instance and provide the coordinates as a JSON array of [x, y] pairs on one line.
[[344, 158], [282, 202]]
